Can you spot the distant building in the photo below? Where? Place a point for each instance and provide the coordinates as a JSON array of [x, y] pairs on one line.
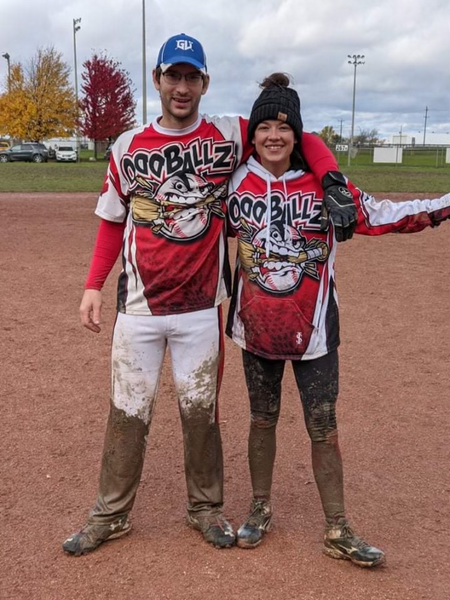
[[431, 139], [55, 142]]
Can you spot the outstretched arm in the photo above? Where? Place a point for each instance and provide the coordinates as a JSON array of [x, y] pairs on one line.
[[106, 251], [338, 202], [384, 216]]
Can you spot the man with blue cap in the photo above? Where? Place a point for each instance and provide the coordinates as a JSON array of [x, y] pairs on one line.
[[162, 207]]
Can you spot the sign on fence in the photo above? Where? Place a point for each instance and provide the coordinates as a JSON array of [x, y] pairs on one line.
[[341, 148], [388, 155]]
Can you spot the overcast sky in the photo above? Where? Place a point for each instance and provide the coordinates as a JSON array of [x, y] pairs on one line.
[[406, 44]]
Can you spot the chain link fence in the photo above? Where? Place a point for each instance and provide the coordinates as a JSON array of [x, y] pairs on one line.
[[410, 156]]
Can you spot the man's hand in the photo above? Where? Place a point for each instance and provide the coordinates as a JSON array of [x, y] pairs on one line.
[[90, 310], [338, 205]]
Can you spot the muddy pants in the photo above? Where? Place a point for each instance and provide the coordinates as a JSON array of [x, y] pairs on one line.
[[139, 345], [317, 382]]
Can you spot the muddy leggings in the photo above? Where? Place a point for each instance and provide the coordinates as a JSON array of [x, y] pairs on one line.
[[317, 382]]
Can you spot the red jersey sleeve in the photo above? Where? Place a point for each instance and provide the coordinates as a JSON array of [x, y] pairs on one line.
[[106, 251], [319, 158]]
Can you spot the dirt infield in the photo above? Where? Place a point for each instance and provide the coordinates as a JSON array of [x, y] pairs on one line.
[[394, 429]]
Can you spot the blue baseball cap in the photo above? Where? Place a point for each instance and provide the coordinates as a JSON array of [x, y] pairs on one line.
[[181, 48]]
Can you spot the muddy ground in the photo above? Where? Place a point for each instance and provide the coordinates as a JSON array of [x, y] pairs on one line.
[[393, 417]]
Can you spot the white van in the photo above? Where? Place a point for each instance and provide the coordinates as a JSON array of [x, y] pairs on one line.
[[66, 153]]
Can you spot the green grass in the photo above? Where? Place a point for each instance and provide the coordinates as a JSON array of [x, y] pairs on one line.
[[423, 170], [52, 177], [382, 178], [87, 176]]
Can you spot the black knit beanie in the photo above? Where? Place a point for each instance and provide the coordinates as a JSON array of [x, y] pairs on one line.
[[276, 102]]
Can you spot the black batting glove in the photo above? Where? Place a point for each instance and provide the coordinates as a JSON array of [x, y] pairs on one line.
[[338, 205]]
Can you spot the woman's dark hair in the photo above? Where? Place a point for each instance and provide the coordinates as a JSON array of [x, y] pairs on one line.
[[276, 79]]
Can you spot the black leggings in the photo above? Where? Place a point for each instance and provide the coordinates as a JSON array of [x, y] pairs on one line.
[[318, 383]]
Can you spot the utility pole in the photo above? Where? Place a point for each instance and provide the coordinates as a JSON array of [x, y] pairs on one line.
[[356, 60], [425, 126], [340, 130], [144, 69]]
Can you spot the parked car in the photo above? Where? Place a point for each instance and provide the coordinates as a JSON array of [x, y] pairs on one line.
[[66, 153], [31, 152], [4, 145]]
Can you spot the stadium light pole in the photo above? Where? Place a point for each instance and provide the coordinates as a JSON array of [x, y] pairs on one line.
[[76, 27], [7, 57], [356, 59], [144, 69]]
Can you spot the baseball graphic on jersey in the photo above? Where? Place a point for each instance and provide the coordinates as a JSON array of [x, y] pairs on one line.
[[180, 208], [277, 258]]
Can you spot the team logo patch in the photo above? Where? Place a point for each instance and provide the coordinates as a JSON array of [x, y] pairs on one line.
[[184, 45], [346, 192]]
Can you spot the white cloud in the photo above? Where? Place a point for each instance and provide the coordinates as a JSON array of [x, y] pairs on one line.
[[405, 43]]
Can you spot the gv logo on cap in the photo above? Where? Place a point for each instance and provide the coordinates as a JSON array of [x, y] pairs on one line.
[[184, 45]]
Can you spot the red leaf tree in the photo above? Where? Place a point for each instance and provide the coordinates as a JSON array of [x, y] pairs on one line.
[[107, 106]]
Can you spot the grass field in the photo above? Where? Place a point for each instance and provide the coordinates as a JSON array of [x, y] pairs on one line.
[[87, 176], [412, 157], [381, 178]]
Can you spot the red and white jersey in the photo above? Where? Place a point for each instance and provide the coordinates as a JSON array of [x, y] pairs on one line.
[[171, 186], [284, 303]]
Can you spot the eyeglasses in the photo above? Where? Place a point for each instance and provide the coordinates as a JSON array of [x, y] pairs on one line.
[[173, 77]]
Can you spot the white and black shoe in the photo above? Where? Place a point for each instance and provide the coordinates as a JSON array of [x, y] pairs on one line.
[[342, 543], [251, 532]]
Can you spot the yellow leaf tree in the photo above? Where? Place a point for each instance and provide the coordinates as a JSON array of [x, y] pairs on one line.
[[40, 102], [328, 135]]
